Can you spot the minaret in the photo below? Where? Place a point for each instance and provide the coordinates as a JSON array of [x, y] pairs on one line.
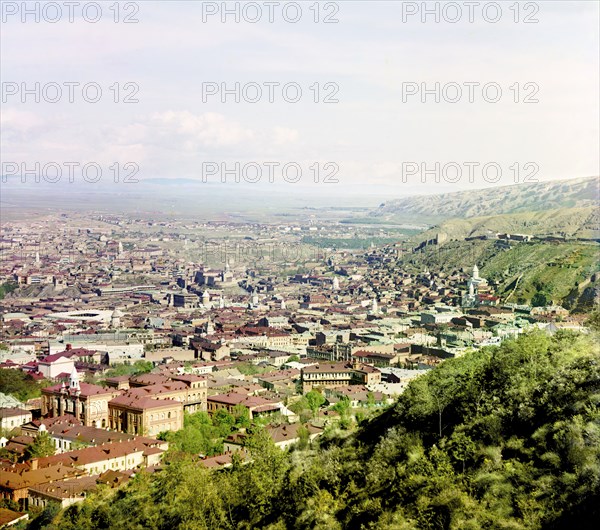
[[120, 248], [374, 307], [336, 284], [221, 302], [37, 258], [475, 272], [282, 304]]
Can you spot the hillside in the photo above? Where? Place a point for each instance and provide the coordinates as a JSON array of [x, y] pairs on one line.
[[503, 438], [536, 196], [572, 223], [566, 273]]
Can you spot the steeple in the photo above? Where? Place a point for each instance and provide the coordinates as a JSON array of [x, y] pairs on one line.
[[74, 381]]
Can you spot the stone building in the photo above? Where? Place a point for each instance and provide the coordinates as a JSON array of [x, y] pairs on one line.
[[88, 403]]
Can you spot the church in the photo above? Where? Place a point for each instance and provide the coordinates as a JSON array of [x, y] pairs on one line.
[[475, 284]]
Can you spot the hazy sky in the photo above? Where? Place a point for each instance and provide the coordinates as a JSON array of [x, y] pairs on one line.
[[366, 57]]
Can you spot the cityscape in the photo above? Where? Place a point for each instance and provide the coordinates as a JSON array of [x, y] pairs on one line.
[[274, 320]]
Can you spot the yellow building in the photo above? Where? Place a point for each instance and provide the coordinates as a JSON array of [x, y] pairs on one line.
[[145, 416]]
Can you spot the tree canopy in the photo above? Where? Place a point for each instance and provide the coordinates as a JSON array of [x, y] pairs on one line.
[[505, 437]]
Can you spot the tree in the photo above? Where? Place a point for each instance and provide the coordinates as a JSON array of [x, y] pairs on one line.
[[293, 358], [314, 399], [370, 399], [41, 446], [462, 447], [19, 384], [593, 322], [539, 299], [303, 437], [301, 408], [342, 407], [242, 416], [223, 421]]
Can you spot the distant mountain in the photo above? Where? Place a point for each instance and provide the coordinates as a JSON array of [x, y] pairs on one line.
[[537, 196]]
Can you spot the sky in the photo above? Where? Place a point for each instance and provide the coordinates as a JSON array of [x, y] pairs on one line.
[[367, 133]]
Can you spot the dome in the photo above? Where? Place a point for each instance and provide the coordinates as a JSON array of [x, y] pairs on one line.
[[116, 313]]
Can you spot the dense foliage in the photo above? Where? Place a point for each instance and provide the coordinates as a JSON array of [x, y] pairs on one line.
[[19, 384], [203, 434], [138, 367], [41, 446], [503, 438]]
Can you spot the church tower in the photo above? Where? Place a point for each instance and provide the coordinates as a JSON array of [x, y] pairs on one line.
[[74, 382]]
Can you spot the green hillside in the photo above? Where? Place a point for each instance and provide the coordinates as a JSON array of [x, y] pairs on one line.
[[562, 271], [503, 438]]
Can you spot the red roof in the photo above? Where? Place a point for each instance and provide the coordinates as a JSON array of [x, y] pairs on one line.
[[55, 357]]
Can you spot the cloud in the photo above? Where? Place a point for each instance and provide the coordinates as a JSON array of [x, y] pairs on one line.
[[283, 135]]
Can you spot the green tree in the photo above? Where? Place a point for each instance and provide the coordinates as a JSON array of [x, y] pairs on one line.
[[223, 421], [593, 321], [41, 446], [303, 437], [19, 384], [462, 448], [241, 416], [315, 399], [539, 299]]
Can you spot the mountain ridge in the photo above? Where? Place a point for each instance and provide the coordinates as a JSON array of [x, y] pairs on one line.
[[516, 198]]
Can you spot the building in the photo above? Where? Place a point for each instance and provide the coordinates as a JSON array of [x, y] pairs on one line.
[[256, 406], [332, 375], [88, 403], [18, 478], [185, 300], [54, 365], [283, 436], [64, 493], [326, 375], [13, 417], [144, 415]]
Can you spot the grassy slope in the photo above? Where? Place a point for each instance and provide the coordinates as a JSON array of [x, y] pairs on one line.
[[557, 268]]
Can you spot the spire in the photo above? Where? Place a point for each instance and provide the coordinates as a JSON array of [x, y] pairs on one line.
[[74, 381]]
